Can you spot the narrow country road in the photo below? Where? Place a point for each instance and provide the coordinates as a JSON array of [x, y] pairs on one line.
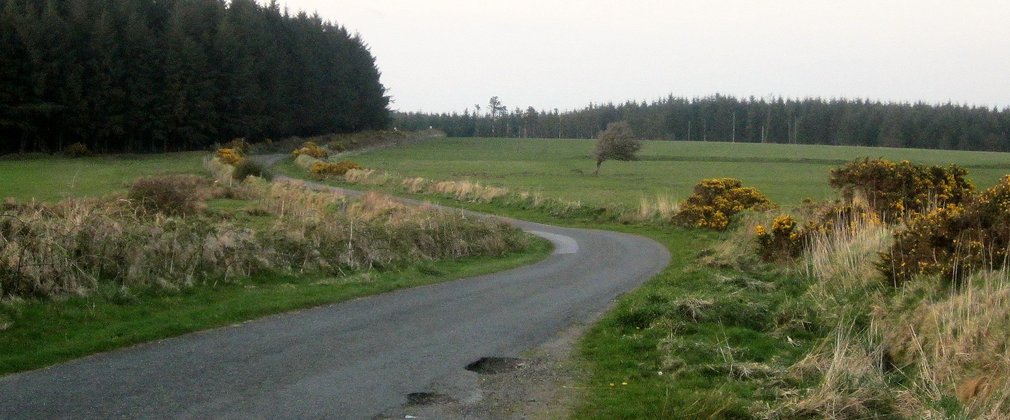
[[355, 359]]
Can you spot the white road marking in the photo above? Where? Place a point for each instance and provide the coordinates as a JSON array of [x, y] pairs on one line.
[[562, 244]]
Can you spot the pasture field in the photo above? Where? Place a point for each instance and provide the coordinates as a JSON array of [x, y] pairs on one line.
[[563, 169], [719, 333], [52, 179]]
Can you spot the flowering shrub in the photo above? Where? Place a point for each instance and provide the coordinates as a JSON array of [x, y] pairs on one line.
[[324, 169], [76, 150], [897, 189], [717, 200], [783, 242], [238, 144], [312, 149], [953, 241], [230, 156]]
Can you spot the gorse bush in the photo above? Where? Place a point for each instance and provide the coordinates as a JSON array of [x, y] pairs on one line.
[[229, 156], [783, 241], [311, 149], [169, 195], [898, 189], [238, 144], [716, 201], [955, 240], [323, 169]]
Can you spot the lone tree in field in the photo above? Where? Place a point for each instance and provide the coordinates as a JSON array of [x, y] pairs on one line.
[[617, 142]]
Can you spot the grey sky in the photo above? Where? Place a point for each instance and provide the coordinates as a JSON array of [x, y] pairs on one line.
[[446, 55]]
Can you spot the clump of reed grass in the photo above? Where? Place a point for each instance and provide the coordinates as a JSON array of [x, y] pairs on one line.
[[658, 209]]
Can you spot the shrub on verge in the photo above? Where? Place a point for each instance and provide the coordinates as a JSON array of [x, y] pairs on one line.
[[715, 201]]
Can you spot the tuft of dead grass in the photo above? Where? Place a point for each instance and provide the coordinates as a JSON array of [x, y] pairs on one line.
[[956, 341], [656, 208], [843, 263], [850, 382]]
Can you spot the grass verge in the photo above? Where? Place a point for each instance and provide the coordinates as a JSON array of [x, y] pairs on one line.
[[36, 334]]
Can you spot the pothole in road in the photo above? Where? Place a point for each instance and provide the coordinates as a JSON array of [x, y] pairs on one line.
[[428, 398], [494, 365]]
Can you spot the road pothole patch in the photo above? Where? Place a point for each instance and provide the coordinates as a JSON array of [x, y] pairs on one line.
[[428, 398], [495, 365]]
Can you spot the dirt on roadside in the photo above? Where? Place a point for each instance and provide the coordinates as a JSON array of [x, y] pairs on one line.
[[542, 385]]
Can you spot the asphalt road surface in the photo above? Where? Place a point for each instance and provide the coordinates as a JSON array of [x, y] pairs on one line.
[[355, 359]]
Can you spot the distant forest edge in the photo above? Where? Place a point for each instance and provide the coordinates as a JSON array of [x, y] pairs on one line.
[[725, 118], [168, 75]]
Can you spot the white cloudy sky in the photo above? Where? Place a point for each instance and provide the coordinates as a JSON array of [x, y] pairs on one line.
[[445, 55]]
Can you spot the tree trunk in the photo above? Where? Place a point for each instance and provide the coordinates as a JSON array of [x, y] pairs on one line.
[[597, 171]]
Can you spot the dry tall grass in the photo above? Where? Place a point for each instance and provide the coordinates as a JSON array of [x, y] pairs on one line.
[[367, 177], [222, 172], [72, 246], [843, 262], [658, 208], [306, 161], [957, 342], [850, 380], [949, 346], [463, 190]]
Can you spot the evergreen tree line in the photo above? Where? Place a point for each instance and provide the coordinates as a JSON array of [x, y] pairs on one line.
[[725, 118], [168, 75]]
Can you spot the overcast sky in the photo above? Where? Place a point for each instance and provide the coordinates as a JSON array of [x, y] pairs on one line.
[[447, 55]]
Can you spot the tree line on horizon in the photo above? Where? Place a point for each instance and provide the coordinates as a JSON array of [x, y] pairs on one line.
[[723, 118], [169, 75]]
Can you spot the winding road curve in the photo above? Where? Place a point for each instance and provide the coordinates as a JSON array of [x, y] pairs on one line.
[[355, 359]]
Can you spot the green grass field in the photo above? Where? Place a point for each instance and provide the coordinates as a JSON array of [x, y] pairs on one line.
[[53, 179], [563, 169]]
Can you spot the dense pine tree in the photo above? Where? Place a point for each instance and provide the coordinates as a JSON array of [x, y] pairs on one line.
[[164, 75], [725, 118]]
